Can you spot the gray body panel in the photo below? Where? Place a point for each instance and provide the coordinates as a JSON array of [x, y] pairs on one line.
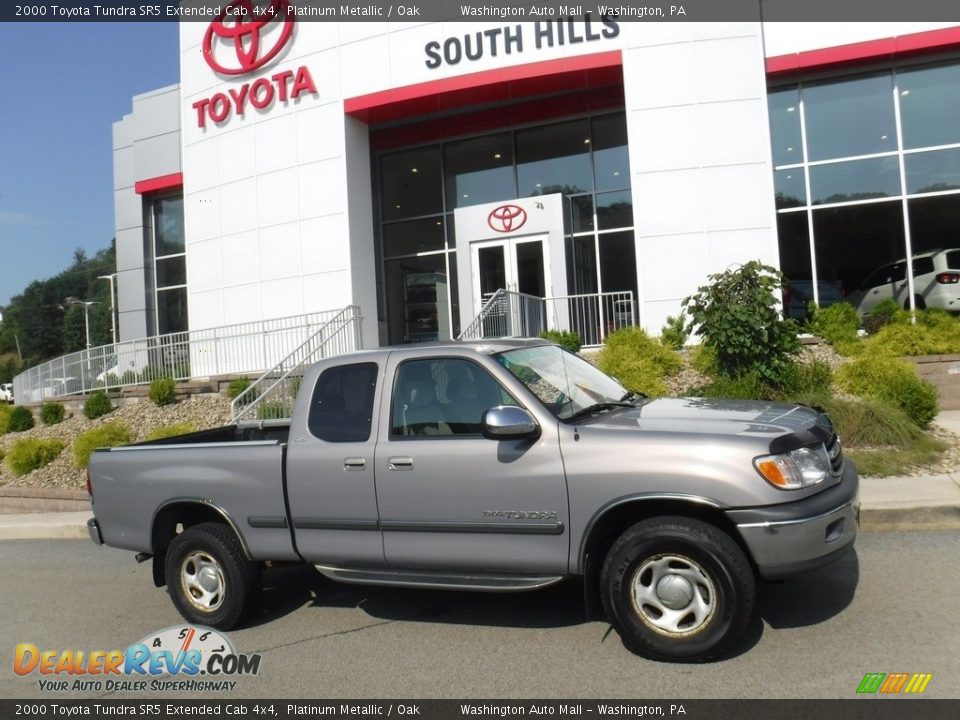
[[242, 479], [474, 506]]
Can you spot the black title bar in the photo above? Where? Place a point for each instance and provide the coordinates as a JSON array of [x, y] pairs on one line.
[[872, 708], [507, 10]]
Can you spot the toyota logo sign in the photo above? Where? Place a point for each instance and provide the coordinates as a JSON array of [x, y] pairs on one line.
[[507, 218], [243, 30]]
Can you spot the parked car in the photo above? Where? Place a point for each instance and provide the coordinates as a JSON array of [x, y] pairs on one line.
[[936, 283], [799, 294], [6, 392], [502, 465]]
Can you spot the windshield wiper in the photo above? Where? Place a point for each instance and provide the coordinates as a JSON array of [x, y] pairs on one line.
[[599, 407]]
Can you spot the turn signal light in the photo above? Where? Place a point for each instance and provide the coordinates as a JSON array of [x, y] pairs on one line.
[[948, 278]]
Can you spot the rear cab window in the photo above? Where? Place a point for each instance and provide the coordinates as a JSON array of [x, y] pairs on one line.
[[341, 408]]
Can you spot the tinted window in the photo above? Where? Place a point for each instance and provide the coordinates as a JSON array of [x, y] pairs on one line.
[[853, 117], [922, 266], [342, 404], [930, 106], [444, 396], [785, 126]]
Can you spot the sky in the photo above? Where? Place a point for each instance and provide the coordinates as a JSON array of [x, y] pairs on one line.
[[62, 86]]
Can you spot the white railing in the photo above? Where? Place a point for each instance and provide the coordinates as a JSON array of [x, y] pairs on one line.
[[507, 314], [244, 348], [592, 316], [272, 395]]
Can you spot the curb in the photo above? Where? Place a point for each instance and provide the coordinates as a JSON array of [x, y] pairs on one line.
[[45, 526]]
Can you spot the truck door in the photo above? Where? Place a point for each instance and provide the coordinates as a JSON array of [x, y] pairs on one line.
[[330, 468], [451, 499]]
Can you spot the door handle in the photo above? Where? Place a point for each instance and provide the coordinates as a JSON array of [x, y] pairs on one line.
[[400, 463], [354, 463]]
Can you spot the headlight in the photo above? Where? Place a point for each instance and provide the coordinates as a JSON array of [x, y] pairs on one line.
[[794, 470]]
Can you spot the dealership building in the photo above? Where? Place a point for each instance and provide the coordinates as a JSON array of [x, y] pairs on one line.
[[414, 169]]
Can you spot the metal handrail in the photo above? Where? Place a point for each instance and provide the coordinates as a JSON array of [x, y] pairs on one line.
[[277, 399], [592, 316], [237, 349]]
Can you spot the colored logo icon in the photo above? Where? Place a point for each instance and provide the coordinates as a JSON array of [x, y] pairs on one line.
[[894, 683], [241, 27], [507, 218]]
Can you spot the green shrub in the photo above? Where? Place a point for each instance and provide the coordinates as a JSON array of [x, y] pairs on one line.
[[892, 381], [97, 405], [638, 361], [237, 387], [272, 410], [737, 315], [838, 325], [166, 431], [109, 434], [293, 385], [129, 377], [703, 359], [28, 454], [749, 386], [675, 331], [52, 413], [800, 379], [568, 340], [163, 391], [883, 314], [20, 419], [5, 411], [934, 333]]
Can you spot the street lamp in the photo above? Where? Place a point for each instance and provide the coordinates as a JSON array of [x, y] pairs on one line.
[[71, 300], [113, 314]]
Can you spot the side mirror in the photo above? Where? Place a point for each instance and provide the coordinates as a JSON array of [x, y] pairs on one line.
[[508, 422]]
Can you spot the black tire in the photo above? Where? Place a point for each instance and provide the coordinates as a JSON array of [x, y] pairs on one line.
[[918, 302], [209, 578], [712, 601]]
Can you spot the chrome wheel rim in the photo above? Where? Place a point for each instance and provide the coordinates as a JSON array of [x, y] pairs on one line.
[[673, 595], [202, 580]]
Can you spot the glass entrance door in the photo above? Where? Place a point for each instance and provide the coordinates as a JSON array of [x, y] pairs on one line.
[[513, 264]]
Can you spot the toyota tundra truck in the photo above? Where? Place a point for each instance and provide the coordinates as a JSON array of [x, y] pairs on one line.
[[496, 466]]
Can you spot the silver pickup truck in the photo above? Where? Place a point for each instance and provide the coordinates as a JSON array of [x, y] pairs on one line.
[[498, 466]]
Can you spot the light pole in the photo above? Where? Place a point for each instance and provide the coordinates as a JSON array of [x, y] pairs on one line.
[[71, 300], [113, 314]]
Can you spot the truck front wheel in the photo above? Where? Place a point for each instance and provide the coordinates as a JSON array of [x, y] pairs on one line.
[[677, 589], [210, 580]]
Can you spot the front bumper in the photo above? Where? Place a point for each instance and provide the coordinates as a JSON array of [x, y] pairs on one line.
[[93, 527], [794, 538]]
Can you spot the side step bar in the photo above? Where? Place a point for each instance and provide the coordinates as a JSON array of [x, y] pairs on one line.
[[444, 581]]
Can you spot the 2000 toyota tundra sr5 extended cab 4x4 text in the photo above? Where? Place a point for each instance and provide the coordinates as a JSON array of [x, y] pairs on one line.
[[500, 466]]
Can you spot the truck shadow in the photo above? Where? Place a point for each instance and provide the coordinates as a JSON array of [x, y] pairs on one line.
[[799, 602], [289, 588]]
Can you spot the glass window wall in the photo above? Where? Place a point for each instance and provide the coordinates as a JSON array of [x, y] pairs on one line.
[[878, 193], [585, 159]]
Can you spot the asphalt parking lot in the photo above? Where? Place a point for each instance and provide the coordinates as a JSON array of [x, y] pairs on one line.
[[891, 608]]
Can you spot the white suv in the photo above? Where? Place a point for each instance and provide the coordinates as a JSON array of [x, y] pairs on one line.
[[6, 392], [936, 283]]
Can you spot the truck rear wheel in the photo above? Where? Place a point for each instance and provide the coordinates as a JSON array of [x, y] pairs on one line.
[[677, 589], [210, 580]]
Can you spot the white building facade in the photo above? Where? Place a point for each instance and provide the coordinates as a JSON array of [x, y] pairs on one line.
[[412, 168]]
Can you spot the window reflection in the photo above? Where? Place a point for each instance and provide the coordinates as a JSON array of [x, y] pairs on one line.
[[417, 293], [479, 171], [853, 117], [930, 105], [853, 241], [554, 159], [789, 188], [410, 183], [855, 180], [794, 243], [785, 126], [933, 171], [611, 161]]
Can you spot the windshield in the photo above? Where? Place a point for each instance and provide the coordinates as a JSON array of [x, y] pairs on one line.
[[563, 382]]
